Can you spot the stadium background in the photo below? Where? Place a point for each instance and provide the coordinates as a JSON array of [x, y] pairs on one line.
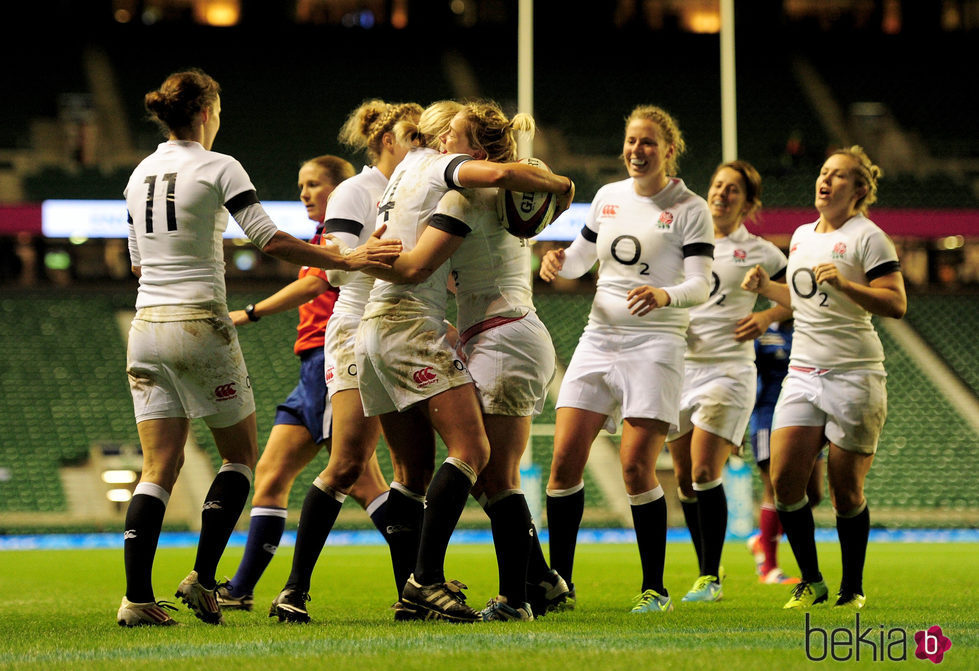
[[891, 75]]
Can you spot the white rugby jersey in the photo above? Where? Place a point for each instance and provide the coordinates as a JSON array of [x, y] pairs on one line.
[[641, 240], [710, 336], [407, 206], [831, 331], [491, 268], [351, 214], [178, 199]]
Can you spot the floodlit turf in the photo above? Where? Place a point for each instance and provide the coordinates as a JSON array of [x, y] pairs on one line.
[[57, 610]]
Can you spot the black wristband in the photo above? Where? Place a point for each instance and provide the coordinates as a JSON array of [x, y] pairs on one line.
[[250, 311]]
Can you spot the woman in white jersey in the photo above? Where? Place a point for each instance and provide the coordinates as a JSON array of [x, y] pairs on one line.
[[301, 425], [506, 347], [410, 374], [184, 360], [352, 469], [653, 240], [719, 376], [842, 270]]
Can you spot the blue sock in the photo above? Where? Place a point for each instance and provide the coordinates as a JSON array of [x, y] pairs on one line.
[[264, 533]]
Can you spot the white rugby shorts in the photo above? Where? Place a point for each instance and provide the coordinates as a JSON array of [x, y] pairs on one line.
[[717, 398], [850, 404], [339, 360], [186, 362], [634, 376], [404, 360], [512, 364]]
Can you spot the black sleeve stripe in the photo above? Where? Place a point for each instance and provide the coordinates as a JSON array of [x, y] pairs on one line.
[[589, 235], [780, 275], [343, 226], [451, 169], [241, 201], [698, 249], [885, 268], [450, 225]]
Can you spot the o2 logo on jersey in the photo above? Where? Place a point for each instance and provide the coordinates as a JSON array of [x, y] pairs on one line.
[[610, 210], [740, 256], [665, 219], [839, 250], [225, 392], [424, 376], [716, 282]]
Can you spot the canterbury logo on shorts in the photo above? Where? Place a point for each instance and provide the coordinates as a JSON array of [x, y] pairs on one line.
[[424, 376], [225, 392]]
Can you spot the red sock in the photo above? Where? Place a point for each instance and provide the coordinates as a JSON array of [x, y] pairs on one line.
[[771, 533]]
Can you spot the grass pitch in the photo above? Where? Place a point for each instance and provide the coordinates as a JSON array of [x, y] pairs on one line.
[[57, 610]]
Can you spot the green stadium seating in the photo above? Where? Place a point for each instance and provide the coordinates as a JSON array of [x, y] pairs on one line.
[[949, 324]]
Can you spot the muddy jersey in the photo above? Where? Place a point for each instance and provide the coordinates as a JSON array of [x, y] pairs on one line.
[[407, 206], [491, 268], [710, 336], [352, 210], [832, 331], [178, 200], [640, 240]]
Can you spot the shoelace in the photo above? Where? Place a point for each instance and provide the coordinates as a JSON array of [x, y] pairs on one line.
[[166, 605], [801, 589], [645, 598], [702, 582], [454, 589]]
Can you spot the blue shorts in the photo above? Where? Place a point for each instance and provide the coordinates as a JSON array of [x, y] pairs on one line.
[[308, 404], [761, 425]]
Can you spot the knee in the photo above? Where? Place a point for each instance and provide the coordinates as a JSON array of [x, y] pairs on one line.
[[635, 476], [785, 490], [271, 483], [846, 501], [564, 476], [702, 474], [343, 473]]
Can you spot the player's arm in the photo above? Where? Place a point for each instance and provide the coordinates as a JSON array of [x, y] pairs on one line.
[[752, 326], [262, 231], [288, 297], [440, 239], [756, 280], [134, 257], [516, 177], [574, 261], [694, 289], [884, 296]]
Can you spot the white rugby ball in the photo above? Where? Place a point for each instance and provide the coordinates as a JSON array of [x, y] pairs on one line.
[[525, 214]]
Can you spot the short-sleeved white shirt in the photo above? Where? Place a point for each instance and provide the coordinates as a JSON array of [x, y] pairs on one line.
[[178, 200], [643, 240], [407, 206], [710, 336], [831, 330], [352, 209], [491, 268]]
